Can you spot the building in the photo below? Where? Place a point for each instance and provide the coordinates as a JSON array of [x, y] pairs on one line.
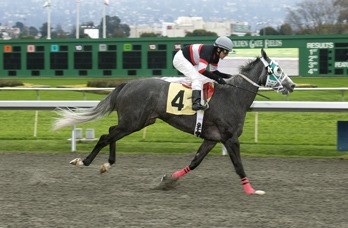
[[182, 25], [7, 33]]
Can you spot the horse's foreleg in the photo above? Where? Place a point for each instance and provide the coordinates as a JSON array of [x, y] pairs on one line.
[[203, 150], [233, 149]]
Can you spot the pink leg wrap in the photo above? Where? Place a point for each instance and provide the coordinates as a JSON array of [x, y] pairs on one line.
[[181, 173], [247, 186]]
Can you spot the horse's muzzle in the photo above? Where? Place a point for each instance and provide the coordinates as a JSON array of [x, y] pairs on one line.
[[288, 86]]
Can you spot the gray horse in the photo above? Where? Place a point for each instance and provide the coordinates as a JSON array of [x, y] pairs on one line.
[[139, 103]]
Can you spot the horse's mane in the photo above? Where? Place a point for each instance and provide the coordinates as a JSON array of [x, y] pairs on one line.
[[245, 69], [249, 65]]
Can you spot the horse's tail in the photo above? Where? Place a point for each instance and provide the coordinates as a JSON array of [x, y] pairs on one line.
[[70, 117]]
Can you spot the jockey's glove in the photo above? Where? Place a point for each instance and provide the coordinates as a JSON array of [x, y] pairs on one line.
[[218, 77]]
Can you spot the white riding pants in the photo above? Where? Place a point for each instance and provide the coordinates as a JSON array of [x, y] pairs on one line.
[[190, 71]]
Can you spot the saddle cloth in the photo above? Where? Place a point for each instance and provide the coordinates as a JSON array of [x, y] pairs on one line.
[[179, 99]]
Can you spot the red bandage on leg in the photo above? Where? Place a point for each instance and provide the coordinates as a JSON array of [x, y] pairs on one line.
[[181, 173], [247, 186]]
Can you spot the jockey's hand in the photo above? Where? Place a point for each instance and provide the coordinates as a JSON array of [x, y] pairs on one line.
[[221, 81]]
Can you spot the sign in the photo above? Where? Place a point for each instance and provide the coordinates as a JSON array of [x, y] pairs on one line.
[[257, 43], [341, 64], [312, 61], [31, 48], [103, 47], [78, 48], [127, 47], [7, 48], [54, 48], [315, 52], [152, 47]]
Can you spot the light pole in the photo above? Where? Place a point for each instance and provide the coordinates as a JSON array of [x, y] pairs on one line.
[[106, 3], [48, 6], [77, 19], [263, 29]]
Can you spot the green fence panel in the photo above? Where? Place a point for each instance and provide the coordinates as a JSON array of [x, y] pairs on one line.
[[324, 55]]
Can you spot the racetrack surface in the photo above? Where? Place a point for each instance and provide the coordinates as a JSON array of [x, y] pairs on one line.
[[44, 190]]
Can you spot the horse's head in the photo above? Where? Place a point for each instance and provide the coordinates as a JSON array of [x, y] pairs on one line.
[[274, 77]]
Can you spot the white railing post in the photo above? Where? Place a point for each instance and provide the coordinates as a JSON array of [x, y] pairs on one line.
[[73, 139], [256, 139]]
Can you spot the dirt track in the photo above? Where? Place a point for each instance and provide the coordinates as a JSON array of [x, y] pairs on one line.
[[43, 190]]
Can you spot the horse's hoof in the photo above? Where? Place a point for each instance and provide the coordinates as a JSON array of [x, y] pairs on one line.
[[167, 183], [77, 162], [105, 167], [259, 192]]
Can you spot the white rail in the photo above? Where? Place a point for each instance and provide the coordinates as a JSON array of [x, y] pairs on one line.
[[110, 88], [84, 90], [257, 106]]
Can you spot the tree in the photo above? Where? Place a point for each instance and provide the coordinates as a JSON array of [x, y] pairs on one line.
[[268, 31], [23, 30], [43, 30], [200, 32], [19, 25], [59, 32], [149, 34], [285, 29], [342, 5], [309, 15], [114, 28], [33, 31]]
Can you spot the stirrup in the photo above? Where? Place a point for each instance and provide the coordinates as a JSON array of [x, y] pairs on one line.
[[201, 107]]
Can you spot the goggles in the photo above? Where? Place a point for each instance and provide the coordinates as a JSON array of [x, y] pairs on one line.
[[225, 51]]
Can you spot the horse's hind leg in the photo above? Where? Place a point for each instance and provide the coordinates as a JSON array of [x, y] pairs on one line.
[[115, 134], [204, 149], [112, 155]]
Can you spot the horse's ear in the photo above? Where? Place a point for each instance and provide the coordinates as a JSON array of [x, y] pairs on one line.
[[263, 53]]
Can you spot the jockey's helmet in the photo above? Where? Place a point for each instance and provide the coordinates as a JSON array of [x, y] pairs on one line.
[[224, 42]]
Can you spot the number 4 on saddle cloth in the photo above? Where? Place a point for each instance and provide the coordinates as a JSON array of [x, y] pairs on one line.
[[179, 102]]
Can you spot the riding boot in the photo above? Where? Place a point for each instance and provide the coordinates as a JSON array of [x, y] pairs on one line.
[[196, 101]]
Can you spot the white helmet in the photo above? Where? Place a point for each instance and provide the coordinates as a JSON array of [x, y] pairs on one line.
[[224, 42]]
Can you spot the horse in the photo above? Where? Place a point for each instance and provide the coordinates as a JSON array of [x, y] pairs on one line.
[[140, 102]]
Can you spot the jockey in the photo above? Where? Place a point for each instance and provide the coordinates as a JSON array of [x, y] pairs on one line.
[[193, 60]]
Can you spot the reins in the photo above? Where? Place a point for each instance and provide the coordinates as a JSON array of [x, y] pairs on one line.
[[251, 82]]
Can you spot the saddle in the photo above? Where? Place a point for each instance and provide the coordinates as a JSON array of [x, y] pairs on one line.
[[208, 90]]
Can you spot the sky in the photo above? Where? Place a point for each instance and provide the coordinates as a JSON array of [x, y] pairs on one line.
[[136, 12]]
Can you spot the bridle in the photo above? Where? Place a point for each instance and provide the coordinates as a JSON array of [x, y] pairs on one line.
[[275, 76]]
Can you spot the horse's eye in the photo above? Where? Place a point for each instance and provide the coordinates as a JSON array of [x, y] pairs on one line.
[[277, 71]]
